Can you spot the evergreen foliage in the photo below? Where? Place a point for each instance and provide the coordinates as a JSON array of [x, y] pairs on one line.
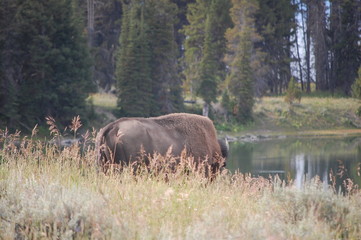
[[133, 68], [356, 86], [293, 92], [147, 71], [208, 67], [49, 61], [9, 114], [241, 78], [106, 31], [243, 58], [206, 47], [345, 48], [274, 22], [193, 44], [46, 68], [180, 37], [227, 102], [165, 69]]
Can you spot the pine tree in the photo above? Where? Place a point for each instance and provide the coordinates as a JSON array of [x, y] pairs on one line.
[[227, 103], [193, 44], [345, 47], [51, 61], [293, 92], [107, 26], [8, 72], [166, 80], [148, 81], [318, 34], [205, 47], [243, 58], [208, 77], [133, 69], [180, 38], [241, 79], [275, 24], [356, 86], [356, 90]]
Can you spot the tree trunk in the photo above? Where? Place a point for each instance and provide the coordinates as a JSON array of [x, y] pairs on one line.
[[318, 32], [205, 109], [90, 9], [307, 39], [298, 54]]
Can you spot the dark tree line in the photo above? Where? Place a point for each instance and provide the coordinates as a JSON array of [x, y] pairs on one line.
[[147, 69], [331, 31], [44, 62], [154, 53]]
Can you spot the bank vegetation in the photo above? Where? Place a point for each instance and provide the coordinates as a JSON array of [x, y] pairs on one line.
[[48, 192]]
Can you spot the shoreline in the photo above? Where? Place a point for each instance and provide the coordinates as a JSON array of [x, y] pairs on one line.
[[259, 135]]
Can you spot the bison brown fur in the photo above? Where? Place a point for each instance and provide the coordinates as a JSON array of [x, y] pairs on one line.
[[124, 140]]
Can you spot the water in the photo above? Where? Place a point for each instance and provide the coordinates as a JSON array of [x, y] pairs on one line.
[[299, 159]]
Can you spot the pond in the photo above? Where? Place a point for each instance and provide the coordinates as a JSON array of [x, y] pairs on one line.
[[299, 159]]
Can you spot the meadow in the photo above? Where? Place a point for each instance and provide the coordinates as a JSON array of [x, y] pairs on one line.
[[48, 192], [51, 192], [311, 113]]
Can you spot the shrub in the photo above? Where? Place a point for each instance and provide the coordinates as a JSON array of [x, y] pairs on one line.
[[356, 86], [358, 111], [293, 92]]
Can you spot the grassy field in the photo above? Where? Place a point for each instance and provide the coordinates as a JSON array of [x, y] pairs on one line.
[[312, 113], [323, 114], [51, 193], [103, 100]]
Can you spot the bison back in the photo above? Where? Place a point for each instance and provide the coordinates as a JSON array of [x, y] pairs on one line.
[[123, 140]]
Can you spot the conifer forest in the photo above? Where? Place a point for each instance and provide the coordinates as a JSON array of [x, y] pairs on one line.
[[155, 54]]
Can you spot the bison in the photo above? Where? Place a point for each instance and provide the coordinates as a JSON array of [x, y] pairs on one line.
[[124, 140]]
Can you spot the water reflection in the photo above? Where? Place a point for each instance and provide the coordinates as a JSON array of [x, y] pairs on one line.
[[307, 168], [300, 168], [300, 159]]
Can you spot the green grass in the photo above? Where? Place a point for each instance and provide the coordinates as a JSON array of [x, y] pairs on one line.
[[48, 193], [103, 100], [312, 113]]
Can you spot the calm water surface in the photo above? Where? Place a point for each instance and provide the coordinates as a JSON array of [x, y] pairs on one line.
[[299, 159]]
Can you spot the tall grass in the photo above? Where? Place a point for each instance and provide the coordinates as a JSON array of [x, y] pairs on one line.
[[47, 192]]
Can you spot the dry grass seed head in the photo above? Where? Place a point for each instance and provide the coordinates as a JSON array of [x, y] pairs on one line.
[[11, 142], [75, 124], [52, 126], [252, 186], [34, 131], [332, 177], [350, 186], [86, 137]]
